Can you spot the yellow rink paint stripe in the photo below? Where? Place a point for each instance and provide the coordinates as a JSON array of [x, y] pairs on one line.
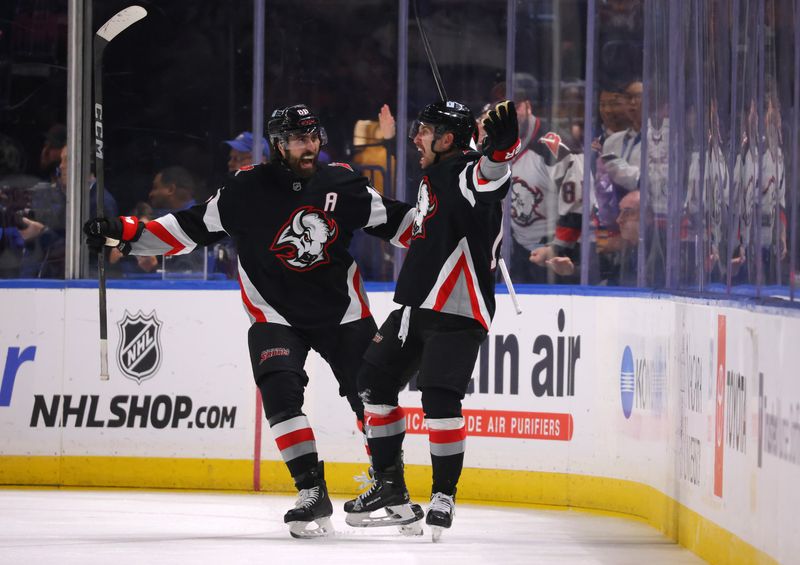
[[606, 495]]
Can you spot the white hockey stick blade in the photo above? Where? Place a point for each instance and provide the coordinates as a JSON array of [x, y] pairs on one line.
[[120, 21], [103, 360], [509, 285]]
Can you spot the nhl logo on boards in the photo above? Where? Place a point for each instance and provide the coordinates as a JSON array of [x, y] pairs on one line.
[[139, 349]]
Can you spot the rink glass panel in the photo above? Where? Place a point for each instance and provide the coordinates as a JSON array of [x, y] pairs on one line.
[[718, 189], [33, 84]]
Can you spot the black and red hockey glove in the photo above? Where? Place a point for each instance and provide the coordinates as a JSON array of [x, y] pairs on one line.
[[114, 232], [501, 143]]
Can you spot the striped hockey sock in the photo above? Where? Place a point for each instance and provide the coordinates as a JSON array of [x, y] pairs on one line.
[[361, 429], [295, 440], [386, 429], [448, 438]]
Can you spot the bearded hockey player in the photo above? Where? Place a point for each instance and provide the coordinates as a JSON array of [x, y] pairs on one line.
[[446, 289], [291, 221]]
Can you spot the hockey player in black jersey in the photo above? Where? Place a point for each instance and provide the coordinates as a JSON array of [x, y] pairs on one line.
[[291, 221], [446, 288]]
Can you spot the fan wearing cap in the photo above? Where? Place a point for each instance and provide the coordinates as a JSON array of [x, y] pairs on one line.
[[291, 220], [446, 290], [241, 151]]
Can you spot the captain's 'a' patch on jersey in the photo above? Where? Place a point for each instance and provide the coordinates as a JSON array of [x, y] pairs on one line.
[[302, 242]]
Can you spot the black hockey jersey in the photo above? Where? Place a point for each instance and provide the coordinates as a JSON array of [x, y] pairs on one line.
[[292, 238], [455, 240]]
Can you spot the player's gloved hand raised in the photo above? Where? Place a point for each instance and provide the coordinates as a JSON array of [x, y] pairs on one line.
[[502, 133], [113, 232]]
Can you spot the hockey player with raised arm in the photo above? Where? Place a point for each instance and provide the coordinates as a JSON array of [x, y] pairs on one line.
[[446, 289], [291, 221]]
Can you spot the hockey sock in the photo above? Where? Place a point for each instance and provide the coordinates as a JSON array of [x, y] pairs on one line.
[[448, 438], [360, 424], [295, 440], [386, 429]]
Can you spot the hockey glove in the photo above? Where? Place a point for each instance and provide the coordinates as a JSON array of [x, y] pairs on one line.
[[501, 143], [113, 232]]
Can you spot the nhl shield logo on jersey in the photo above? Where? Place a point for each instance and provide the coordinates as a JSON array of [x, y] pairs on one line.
[[139, 350], [302, 242], [427, 204]]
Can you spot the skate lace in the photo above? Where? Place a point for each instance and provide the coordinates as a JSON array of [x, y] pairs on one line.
[[364, 480], [307, 497], [441, 502], [372, 488]]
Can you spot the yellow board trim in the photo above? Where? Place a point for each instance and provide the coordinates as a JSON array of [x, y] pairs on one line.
[[626, 498]]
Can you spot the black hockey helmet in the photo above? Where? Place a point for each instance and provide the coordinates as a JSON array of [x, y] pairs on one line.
[[447, 115], [293, 120]]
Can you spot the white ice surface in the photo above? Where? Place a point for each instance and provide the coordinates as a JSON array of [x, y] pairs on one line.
[[121, 527]]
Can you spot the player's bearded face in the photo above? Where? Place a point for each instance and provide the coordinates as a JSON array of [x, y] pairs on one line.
[[301, 152], [423, 141]]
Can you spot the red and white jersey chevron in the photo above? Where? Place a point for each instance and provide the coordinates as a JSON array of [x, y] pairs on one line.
[[455, 241], [292, 237]]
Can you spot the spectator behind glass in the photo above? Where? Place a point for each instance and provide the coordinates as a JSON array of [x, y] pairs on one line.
[[241, 151], [613, 110], [546, 192], [45, 252], [16, 224], [173, 191], [622, 150], [50, 157]]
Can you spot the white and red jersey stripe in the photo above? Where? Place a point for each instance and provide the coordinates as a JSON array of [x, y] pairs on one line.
[[451, 259], [294, 438], [447, 436], [257, 308], [457, 290], [359, 303]]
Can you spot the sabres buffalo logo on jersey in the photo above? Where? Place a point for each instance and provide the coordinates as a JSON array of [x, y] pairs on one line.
[[302, 242], [427, 204], [525, 202]]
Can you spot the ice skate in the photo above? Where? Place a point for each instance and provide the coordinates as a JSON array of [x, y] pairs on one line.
[[440, 514], [311, 515], [388, 498]]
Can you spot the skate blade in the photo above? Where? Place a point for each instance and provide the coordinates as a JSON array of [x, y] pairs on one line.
[[436, 533], [411, 530], [306, 530], [395, 516]]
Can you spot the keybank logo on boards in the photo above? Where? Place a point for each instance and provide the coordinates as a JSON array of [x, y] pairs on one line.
[[627, 382], [642, 382], [14, 359]]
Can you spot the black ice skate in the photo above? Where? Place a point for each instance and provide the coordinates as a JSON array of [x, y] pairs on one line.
[[313, 506], [440, 513], [389, 494]]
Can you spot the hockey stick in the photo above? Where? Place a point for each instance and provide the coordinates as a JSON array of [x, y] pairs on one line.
[[437, 78], [118, 23]]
